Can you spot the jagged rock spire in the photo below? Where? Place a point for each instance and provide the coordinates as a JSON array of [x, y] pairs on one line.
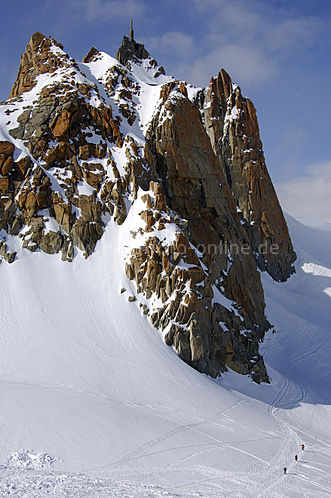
[[37, 58], [231, 123]]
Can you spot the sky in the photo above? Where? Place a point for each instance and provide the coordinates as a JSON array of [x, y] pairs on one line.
[[277, 51]]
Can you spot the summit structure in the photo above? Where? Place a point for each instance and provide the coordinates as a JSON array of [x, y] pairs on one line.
[[131, 30], [178, 173], [132, 51]]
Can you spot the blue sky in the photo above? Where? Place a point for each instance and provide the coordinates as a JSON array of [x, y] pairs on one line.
[[277, 51]]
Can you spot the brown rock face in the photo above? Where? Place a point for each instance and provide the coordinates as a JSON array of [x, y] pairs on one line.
[[6, 157], [207, 335], [91, 55], [231, 123], [36, 59], [198, 188], [56, 128]]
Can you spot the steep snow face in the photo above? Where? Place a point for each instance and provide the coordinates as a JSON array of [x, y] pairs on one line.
[[146, 86], [100, 65], [93, 404]]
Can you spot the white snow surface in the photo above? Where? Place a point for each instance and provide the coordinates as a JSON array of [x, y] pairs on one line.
[[93, 403]]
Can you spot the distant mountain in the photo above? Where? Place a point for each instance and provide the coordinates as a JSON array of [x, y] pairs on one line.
[[179, 170]]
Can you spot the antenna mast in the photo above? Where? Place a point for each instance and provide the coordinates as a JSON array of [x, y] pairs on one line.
[[131, 31]]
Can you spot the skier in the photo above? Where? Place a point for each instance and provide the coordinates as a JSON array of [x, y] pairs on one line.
[[285, 470], [302, 447], [296, 458]]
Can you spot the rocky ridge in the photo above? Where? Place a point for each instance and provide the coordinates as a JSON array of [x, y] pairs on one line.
[[231, 123], [113, 140]]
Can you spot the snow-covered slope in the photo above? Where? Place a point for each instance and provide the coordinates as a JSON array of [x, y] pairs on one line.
[[86, 381]]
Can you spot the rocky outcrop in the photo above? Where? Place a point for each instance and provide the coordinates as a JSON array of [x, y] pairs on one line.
[[79, 150], [231, 123], [171, 275], [42, 55], [131, 51], [68, 130], [195, 188], [92, 54]]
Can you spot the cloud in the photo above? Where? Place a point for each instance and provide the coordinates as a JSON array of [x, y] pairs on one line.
[[310, 196], [293, 35], [261, 26], [106, 10], [171, 42], [240, 22], [251, 39], [245, 65]]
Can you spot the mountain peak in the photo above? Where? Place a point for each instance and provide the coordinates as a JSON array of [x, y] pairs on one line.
[[91, 55], [179, 169], [36, 40], [42, 55], [132, 51]]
